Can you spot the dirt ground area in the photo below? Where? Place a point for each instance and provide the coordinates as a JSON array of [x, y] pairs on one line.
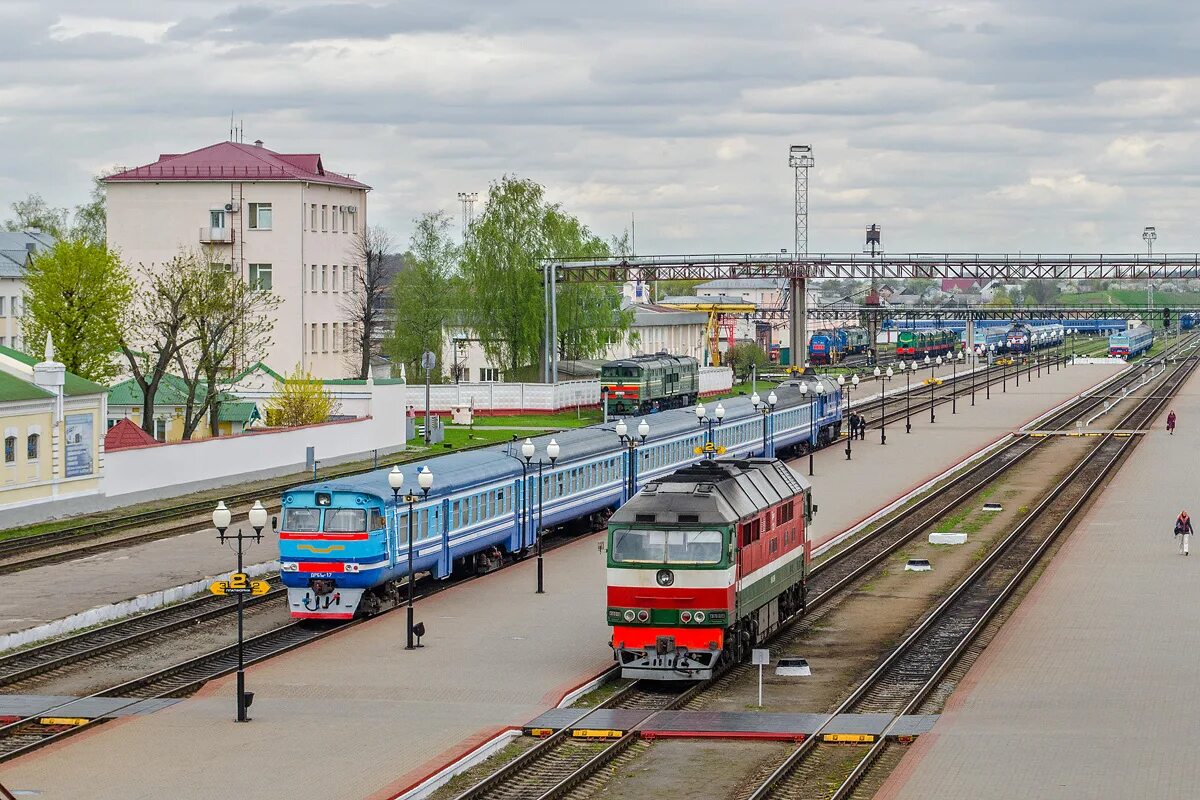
[[691, 768]]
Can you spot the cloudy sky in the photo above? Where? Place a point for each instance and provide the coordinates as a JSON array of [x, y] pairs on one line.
[[1017, 125]]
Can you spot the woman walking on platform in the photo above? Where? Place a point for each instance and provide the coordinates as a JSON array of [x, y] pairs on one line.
[[1183, 530], [1171, 423]]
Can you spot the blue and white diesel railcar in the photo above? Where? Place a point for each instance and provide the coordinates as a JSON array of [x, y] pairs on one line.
[[987, 338], [1130, 343], [343, 544]]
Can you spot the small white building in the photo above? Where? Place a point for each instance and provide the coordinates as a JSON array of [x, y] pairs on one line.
[[277, 220]]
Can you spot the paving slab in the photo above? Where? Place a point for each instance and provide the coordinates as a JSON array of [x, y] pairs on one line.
[[356, 716], [1089, 690]]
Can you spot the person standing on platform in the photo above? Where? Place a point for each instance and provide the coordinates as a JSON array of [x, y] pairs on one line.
[[1183, 530], [853, 425], [1171, 423], [862, 427]]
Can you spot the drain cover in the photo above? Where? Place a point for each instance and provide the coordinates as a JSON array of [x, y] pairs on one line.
[[918, 565], [992, 507], [793, 668]]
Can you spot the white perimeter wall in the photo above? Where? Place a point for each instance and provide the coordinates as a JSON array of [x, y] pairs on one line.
[[534, 397], [234, 459]]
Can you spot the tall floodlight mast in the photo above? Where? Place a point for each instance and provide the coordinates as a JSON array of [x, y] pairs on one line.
[[1148, 236], [800, 159], [467, 199]]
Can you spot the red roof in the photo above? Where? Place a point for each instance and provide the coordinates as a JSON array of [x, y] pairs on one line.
[[236, 161], [962, 284], [126, 434]]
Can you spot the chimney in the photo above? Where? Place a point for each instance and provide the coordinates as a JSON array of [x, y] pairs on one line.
[[30, 247], [258, 142]]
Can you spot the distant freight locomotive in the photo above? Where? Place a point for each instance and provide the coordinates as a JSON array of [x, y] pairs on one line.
[[935, 342], [1024, 338], [705, 562], [831, 346], [635, 385]]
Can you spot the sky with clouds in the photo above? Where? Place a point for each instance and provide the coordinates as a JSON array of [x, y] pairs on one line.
[[1052, 125]]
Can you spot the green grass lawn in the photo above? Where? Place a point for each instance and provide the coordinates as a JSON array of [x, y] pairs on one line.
[[563, 419], [1129, 297]]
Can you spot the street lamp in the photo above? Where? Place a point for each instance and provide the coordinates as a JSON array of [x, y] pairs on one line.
[[932, 383], [974, 367], [425, 483], [817, 392], [883, 406], [849, 387], [954, 359], [631, 444], [221, 519], [908, 395], [756, 401], [710, 447], [552, 451]]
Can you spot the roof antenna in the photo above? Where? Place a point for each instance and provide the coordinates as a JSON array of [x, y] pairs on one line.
[[231, 125], [241, 131]]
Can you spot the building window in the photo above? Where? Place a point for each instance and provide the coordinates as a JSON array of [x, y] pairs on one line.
[[489, 374], [325, 218], [313, 226], [324, 337], [334, 210], [3, 341], [324, 277], [112, 422], [337, 337], [160, 429], [31, 447], [260, 276], [1, 306], [260, 216], [334, 280], [313, 345], [312, 280], [16, 343], [216, 219], [344, 228], [10, 449]]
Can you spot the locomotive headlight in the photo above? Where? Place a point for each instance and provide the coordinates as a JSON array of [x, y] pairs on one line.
[[685, 616], [643, 615], [630, 616], [699, 616]]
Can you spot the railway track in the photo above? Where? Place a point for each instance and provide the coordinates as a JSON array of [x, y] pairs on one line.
[[914, 669], [558, 765]]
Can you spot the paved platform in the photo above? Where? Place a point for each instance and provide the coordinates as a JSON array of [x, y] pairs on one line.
[[1090, 689], [377, 719], [29, 705]]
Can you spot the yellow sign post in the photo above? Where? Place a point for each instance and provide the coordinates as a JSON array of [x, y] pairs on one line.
[[239, 583], [709, 447]]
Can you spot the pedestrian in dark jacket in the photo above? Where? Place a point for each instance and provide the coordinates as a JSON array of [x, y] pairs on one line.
[[1171, 423], [862, 427], [1183, 531]]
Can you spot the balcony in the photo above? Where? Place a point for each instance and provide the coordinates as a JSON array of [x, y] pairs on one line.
[[216, 235]]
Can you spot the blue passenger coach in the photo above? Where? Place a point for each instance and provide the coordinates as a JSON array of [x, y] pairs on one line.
[[343, 544]]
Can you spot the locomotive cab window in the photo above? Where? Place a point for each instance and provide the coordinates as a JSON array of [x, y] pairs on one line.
[[641, 546], [302, 520], [345, 520]]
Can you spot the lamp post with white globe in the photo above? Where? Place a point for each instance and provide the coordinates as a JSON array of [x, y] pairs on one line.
[[552, 452], [768, 433], [425, 483], [221, 519], [702, 416], [631, 444]]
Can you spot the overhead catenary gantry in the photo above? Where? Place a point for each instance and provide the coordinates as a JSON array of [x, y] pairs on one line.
[[798, 269]]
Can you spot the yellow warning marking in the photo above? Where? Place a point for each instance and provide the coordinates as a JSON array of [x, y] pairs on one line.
[[64, 721], [541, 731], [312, 548], [857, 738], [596, 733]]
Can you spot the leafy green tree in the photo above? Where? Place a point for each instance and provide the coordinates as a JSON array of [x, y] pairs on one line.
[[743, 357], [81, 293], [1000, 298], [1040, 292], [35, 212], [422, 292], [504, 301]]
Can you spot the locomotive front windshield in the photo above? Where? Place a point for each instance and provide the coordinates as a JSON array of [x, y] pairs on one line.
[[302, 520], [345, 520], [644, 546], [619, 372]]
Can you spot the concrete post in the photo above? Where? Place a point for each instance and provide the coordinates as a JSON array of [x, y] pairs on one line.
[[798, 316]]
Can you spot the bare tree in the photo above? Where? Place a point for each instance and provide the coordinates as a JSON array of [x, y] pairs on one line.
[[230, 323], [366, 303], [159, 327]]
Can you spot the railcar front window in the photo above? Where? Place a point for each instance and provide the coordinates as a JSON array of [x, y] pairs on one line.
[[638, 546], [302, 520], [345, 520]]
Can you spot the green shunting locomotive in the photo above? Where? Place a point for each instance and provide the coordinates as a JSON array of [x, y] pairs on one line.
[[642, 384]]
